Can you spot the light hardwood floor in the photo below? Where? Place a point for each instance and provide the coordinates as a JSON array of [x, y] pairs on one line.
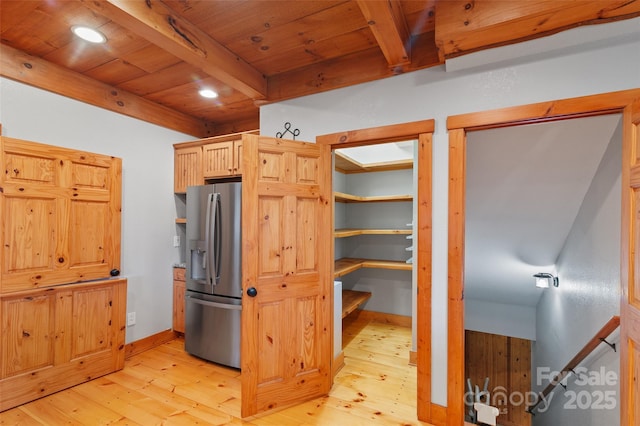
[[167, 386]]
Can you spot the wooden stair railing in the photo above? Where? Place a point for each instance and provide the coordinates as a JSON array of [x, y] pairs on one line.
[[595, 341]]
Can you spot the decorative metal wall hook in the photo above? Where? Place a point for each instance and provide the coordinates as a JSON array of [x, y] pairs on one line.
[[287, 129], [611, 345]]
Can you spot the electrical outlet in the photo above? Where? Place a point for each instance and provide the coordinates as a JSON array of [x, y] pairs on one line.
[[176, 240], [131, 318]]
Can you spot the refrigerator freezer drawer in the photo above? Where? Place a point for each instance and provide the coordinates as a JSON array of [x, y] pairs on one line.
[[212, 330]]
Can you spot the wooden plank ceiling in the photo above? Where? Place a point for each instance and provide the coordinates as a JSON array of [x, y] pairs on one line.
[[158, 54]]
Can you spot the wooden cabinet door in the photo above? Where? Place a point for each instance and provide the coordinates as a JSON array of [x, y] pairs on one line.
[[179, 287], [54, 338], [90, 321], [237, 157], [28, 334], [61, 213], [217, 159], [221, 159], [187, 168], [178, 306], [287, 259], [630, 250]]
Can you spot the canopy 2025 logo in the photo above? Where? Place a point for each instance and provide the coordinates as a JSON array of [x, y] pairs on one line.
[[587, 398]]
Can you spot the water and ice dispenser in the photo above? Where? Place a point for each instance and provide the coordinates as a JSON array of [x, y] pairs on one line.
[[198, 259]]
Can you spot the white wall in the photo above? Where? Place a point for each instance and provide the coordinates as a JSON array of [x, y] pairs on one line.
[[148, 209], [587, 297], [500, 318], [435, 93]]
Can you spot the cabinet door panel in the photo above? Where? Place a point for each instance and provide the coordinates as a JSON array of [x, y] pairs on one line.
[[90, 176], [91, 322], [187, 168], [29, 234], [178, 306], [27, 334], [26, 167], [217, 159], [87, 236]]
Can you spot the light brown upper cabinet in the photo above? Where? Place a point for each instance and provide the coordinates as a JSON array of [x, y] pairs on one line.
[[209, 158], [61, 211], [222, 159], [187, 164]]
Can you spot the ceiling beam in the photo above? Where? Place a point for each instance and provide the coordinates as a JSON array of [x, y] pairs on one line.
[[160, 25], [360, 67], [465, 26], [27, 69], [367, 65], [386, 20]]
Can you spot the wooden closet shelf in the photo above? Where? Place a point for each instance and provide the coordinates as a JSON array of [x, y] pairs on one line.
[[181, 220], [352, 299], [350, 232], [347, 265], [341, 197], [346, 164]]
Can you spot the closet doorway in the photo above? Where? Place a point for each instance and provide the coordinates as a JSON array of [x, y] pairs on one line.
[[373, 188], [421, 132], [626, 102], [535, 206]]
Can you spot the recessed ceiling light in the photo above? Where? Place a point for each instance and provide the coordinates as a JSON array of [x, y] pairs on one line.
[[208, 93], [88, 34]]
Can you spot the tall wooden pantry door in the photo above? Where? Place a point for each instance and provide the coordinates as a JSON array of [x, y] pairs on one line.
[[630, 250], [61, 215], [287, 268]]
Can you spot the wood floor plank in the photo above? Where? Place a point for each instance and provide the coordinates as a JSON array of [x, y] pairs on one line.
[[80, 409], [20, 417], [177, 402], [166, 385], [395, 403], [336, 411], [129, 403], [221, 395], [40, 411]]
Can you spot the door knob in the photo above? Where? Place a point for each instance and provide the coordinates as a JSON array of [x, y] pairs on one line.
[[252, 292]]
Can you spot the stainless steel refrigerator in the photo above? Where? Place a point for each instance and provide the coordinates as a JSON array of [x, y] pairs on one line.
[[214, 283]]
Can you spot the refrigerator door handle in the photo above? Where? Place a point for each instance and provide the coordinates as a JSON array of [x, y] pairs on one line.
[[207, 238], [213, 239], [217, 253], [213, 304]]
